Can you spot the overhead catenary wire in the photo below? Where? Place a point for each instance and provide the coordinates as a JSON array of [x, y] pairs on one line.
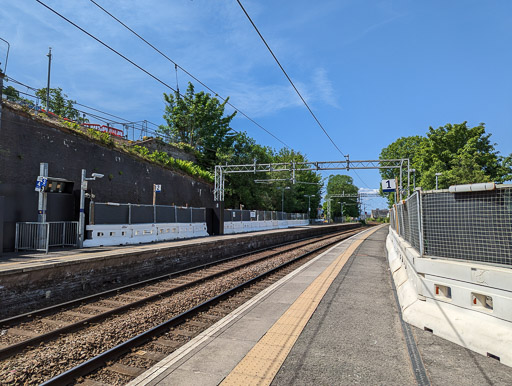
[[176, 66], [289, 79], [106, 45], [293, 85], [147, 72]]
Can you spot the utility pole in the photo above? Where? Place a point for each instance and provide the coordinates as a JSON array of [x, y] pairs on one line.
[[437, 175], [309, 204], [341, 209], [48, 84]]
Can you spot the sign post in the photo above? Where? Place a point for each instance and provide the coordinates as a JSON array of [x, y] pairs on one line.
[[157, 188], [41, 182]]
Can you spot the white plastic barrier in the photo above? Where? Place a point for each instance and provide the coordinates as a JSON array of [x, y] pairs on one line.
[[124, 234], [231, 227], [465, 302]]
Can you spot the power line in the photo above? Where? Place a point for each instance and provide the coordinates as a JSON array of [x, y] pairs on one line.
[[142, 69], [291, 82], [287, 77], [176, 66], [106, 45]]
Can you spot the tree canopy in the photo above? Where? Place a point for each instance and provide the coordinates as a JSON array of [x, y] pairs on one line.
[[59, 104], [339, 184], [199, 120], [463, 155]]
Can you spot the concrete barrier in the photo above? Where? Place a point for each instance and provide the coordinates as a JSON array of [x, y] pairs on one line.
[[465, 302], [124, 234], [232, 227]]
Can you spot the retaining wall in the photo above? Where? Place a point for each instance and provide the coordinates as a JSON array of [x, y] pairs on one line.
[[25, 142]]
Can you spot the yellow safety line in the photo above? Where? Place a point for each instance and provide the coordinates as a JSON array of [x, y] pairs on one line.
[[261, 364]]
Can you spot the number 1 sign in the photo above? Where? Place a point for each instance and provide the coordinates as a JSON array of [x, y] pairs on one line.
[[388, 186]]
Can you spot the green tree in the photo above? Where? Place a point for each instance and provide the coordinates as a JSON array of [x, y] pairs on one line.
[[198, 119], [342, 184], [59, 104], [307, 183], [11, 94], [464, 155], [404, 147], [240, 188]]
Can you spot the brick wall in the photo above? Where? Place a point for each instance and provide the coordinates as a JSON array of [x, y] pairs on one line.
[[25, 142], [30, 289]]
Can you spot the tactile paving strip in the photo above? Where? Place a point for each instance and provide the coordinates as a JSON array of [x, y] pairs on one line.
[[261, 364]]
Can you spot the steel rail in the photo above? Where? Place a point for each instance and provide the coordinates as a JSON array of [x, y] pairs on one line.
[[20, 346], [48, 310], [113, 353]]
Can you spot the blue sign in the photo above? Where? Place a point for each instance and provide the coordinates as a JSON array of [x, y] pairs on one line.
[[41, 183]]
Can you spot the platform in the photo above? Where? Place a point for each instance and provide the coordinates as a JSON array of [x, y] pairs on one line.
[[333, 321], [30, 281]]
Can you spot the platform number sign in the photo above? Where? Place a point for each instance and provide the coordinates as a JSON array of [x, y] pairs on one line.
[[388, 186], [41, 183], [158, 188]]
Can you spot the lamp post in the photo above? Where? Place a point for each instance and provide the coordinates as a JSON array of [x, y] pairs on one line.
[[309, 203], [413, 171], [341, 209], [48, 84], [437, 175], [81, 219], [282, 196]]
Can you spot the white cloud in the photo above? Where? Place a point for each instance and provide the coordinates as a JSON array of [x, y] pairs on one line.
[[323, 87], [368, 191]]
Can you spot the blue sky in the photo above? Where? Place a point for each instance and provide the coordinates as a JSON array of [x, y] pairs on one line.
[[372, 71]]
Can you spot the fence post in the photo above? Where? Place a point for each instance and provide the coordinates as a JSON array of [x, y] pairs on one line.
[[16, 241], [129, 214], [64, 233], [420, 224], [47, 226], [154, 214], [191, 215]]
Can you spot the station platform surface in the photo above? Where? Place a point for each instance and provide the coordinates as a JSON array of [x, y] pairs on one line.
[[334, 321], [24, 261]]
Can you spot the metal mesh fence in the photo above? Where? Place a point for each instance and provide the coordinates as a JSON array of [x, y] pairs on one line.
[[473, 226], [260, 215], [41, 236], [115, 213]]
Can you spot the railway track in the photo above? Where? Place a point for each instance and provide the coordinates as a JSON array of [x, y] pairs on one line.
[[44, 343]]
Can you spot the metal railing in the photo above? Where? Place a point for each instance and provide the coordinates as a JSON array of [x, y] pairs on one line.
[[36, 236], [474, 226], [116, 213], [260, 215]]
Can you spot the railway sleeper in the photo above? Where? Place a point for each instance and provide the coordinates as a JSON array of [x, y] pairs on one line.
[[130, 371], [55, 323], [151, 355], [21, 332], [171, 344]]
